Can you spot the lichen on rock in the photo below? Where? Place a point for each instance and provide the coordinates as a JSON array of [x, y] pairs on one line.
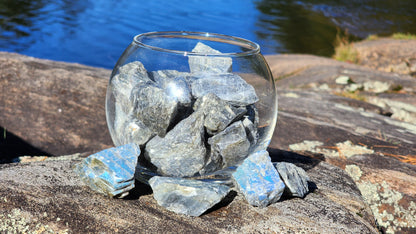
[[344, 149]]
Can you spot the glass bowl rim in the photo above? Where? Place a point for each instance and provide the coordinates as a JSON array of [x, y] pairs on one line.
[[252, 47]]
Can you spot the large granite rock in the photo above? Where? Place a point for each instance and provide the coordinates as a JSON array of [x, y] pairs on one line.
[[49, 196], [389, 55], [364, 126], [369, 133], [51, 107]]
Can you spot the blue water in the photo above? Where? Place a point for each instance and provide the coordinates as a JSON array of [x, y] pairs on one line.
[[97, 32]]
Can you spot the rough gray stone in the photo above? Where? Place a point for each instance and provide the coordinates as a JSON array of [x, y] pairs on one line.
[[251, 130], [129, 76], [207, 63], [161, 77], [294, 177], [153, 107], [185, 196], [228, 147], [129, 129], [179, 89], [135, 68], [175, 85], [49, 194], [111, 171], [239, 111], [62, 88], [229, 87], [182, 151], [257, 179], [120, 120], [134, 131], [218, 113]]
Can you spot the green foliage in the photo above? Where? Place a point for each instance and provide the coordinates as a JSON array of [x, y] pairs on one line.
[[406, 36], [399, 36], [344, 49], [372, 37]]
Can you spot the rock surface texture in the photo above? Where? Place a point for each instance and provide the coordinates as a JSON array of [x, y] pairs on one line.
[[49, 196], [396, 56], [39, 100], [363, 123], [369, 132]]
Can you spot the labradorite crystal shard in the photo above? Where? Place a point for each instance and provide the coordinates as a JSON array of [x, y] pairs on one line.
[[171, 114], [153, 107], [120, 119], [174, 84], [129, 76], [258, 180], [163, 76], [134, 131], [218, 113], [294, 177], [111, 171], [182, 151], [185, 196], [251, 130], [209, 63], [227, 86], [229, 146]]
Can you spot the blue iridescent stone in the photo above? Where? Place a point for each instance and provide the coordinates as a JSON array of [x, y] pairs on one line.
[[258, 180], [186, 196], [111, 171]]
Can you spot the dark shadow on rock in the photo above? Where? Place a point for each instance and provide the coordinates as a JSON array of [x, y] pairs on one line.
[[223, 203], [11, 147], [139, 190], [312, 186], [305, 161]]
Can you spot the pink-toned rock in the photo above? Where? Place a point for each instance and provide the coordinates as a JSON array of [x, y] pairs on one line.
[[389, 55], [364, 126], [58, 108]]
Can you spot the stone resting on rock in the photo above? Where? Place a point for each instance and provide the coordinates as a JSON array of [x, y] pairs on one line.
[[368, 134], [187, 125]]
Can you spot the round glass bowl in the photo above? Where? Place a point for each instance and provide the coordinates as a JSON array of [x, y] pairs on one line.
[[197, 103]]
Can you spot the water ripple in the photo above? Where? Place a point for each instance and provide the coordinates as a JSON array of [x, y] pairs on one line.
[[97, 32]]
